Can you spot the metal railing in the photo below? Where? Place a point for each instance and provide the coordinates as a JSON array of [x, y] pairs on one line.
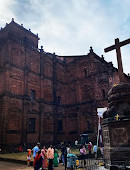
[[91, 163], [73, 163]]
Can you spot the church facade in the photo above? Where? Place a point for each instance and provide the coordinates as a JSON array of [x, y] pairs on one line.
[[45, 97]]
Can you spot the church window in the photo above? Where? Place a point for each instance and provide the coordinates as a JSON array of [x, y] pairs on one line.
[[88, 125], [31, 125], [26, 41], [110, 79], [86, 72], [103, 93], [33, 95], [59, 100], [60, 126]]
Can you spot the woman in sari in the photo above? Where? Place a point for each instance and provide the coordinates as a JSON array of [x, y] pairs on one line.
[[38, 161], [44, 156], [55, 160]]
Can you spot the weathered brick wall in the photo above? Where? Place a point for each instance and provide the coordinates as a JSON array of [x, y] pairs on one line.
[[4, 120], [2, 82], [1, 120], [16, 54], [88, 81], [20, 76], [48, 67], [16, 81], [33, 61], [69, 92]]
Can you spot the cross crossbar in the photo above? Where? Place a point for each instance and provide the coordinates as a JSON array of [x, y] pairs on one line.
[[117, 46], [125, 42]]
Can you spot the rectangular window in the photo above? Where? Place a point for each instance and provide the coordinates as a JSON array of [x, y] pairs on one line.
[[60, 126], [88, 125], [59, 100], [33, 95], [103, 93], [31, 125], [85, 72]]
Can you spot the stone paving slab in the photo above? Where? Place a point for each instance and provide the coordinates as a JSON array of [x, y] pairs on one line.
[[13, 166], [17, 166]]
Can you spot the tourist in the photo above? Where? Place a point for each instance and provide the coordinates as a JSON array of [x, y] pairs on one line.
[[28, 157], [35, 150], [44, 157], [68, 149], [101, 150], [95, 151], [38, 161], [82, 155], [76, 143], [50, 157], [55, 160], [90, 148], [58, 159], [63, 153], [20, 148]]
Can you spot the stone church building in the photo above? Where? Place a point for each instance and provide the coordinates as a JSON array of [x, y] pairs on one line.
[[45, 97]]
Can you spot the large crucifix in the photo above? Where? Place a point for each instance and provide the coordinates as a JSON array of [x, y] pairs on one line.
[[118, 53]]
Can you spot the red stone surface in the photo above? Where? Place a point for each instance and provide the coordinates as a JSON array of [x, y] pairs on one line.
[[82, 83]]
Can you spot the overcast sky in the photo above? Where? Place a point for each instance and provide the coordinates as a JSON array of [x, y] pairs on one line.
[[70, 27]]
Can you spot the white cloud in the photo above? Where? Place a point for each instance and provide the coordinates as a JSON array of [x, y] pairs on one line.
[[6, 14]]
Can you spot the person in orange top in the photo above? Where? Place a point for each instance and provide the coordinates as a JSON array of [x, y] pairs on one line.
[[50, 157], [28, 157]]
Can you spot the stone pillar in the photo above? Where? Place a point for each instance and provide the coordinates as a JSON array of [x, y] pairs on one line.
[[116, 126]]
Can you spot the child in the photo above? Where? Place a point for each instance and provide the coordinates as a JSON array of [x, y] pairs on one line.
[[28, 157]]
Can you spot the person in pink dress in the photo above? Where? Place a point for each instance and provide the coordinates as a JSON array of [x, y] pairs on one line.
[[44, 157]]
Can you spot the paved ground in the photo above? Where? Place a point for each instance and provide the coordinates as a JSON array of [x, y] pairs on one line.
[[13, 166], [16, 166]]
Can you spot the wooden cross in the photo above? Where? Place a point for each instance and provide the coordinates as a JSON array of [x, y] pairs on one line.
[[118, 53]]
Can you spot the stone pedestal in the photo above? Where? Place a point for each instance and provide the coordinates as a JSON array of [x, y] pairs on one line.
[[116, 126]]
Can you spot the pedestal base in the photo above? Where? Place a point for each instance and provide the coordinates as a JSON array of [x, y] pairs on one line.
[[116, 142]]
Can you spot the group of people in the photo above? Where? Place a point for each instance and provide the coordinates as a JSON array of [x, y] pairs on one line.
[[44, 158], [65, 149], [90, 148], [83, 153], [49, 158]]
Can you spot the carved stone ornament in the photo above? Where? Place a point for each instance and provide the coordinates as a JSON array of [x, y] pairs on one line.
[[119, 136]]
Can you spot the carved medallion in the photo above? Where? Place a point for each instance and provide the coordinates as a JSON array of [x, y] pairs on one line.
[[119, 136]]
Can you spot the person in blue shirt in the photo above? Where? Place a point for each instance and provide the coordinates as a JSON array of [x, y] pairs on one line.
[[95, 151], [35, 150]]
